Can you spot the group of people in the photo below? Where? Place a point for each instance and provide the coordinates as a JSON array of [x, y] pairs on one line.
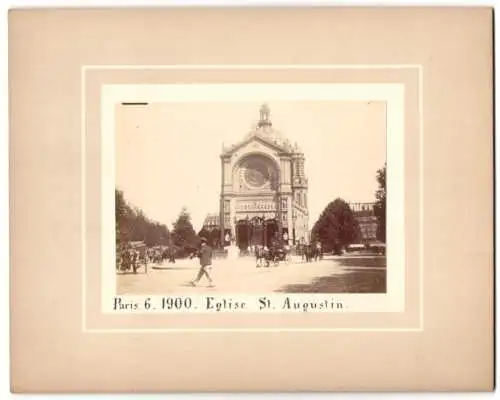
[[129, 258], [264, 256], [133, 257], [157, 255], [311, 252]]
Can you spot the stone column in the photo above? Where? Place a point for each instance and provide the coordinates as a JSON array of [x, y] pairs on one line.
[[285, 172], [289, 217], [232, 216], [282, 171], [221, 211], [227, 168], [300, 226]]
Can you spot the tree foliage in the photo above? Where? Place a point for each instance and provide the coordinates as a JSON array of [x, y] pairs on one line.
[[183, 233], [336, 226], [212, 235], [380, 204], [133, 225]]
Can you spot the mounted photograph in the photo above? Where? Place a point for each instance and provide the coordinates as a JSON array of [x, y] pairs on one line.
[[250, 197]]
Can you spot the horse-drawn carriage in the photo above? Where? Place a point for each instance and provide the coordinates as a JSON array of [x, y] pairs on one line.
[[132, 257], [266, 257]]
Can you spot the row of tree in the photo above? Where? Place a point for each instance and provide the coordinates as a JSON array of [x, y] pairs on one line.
[[133, 225], [337, 225]]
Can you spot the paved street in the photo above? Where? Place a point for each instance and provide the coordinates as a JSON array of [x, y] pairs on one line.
[[353, 274]]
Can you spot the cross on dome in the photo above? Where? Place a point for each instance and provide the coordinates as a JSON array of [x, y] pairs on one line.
[[265, 115]]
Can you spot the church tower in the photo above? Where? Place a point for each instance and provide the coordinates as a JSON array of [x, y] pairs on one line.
[[299, 194]]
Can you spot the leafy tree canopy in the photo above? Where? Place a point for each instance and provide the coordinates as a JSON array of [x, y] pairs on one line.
[[133, 225], [183, 233], [336, 226], [380, 205]]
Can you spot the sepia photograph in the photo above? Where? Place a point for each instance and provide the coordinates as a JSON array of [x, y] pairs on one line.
[[196, 190], [250, 197]]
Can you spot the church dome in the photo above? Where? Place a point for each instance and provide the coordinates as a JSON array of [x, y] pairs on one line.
[[264, 129]]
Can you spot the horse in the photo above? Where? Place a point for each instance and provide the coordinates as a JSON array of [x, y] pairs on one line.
[[261, 256], [309, 251]]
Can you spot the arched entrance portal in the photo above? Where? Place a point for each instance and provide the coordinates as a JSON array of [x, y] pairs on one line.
[[257, 224], [243, 234], [256, 231], [249, 233], [271, 233]]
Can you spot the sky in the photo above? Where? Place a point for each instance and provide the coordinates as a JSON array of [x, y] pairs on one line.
[[167, 154]]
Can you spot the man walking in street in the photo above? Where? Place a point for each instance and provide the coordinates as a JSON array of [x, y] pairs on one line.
[[205, 255]]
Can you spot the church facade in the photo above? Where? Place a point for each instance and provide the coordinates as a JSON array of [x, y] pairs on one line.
[[263, 189]]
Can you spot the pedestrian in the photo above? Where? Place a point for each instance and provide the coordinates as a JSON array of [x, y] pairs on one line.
[[258, 256], [171, 255], [205, 255], [317, 253]]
